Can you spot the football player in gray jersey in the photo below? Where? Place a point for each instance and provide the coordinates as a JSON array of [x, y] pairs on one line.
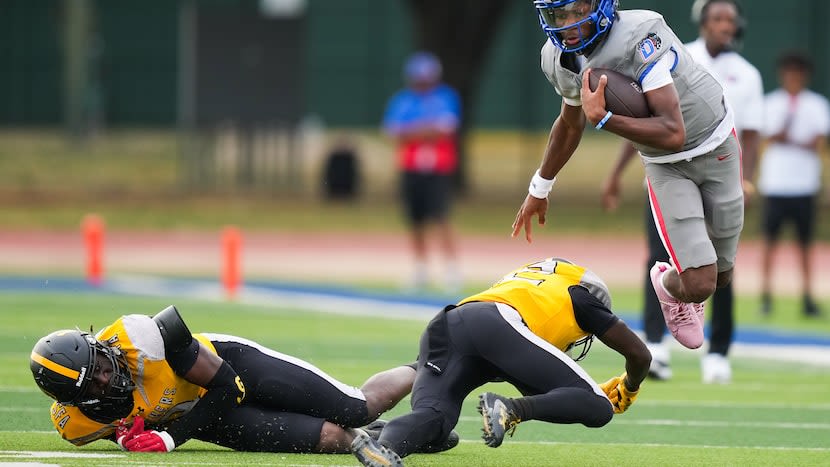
[[688, 145]]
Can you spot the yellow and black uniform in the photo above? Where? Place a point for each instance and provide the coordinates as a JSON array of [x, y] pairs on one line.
[[160, 395], [540, 293], [516, 331], [270, 414]]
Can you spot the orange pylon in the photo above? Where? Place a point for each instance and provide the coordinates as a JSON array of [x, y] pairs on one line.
[[92, 228], [231, 255]]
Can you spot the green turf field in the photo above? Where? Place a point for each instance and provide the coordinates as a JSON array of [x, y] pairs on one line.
[[772, 414]]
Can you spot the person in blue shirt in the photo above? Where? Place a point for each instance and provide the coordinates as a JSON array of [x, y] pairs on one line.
[[423, 120]]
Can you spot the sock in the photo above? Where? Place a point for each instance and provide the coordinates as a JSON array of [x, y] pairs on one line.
[[565, 405]]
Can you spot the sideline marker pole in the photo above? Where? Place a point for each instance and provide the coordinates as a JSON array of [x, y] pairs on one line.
[[231, 271], [92, 228]]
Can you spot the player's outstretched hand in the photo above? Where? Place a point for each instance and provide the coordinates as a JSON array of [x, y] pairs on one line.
[[610, 385], [749, 192], [127, 431], [610, 196], [524, 218], [619, 395], [151, 441]]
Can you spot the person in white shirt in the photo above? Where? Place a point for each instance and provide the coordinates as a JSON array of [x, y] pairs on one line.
[[720, 30], [796, 125]]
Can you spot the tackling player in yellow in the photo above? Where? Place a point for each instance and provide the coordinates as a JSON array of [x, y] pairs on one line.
[[522, 330], [150, 385]]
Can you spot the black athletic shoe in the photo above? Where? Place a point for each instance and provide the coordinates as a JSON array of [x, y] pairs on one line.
[[810, 310], [497, 418], [373, 430], [766, 305], [372, 454]]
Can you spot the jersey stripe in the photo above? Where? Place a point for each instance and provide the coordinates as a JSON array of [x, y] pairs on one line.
[[350, 391], [740, 152], [57, 368], [660, 221], [676, 59]]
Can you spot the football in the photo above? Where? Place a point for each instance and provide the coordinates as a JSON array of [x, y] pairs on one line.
[[623, 94]]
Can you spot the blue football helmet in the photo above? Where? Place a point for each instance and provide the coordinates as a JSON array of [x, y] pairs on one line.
[[558, 17]]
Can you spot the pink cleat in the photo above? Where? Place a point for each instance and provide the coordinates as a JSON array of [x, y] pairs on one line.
[[698, 308], [681, 318]]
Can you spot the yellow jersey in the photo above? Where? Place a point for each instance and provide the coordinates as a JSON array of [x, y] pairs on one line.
[[159, 396], [539, 292]]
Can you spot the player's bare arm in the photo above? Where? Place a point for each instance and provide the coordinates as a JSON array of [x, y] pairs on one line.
[[224, 391], [205, 368], [637, 357], [664, 129], [750, 143], [565, 135]]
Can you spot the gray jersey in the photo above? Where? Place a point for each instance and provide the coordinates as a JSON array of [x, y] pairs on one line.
[[636, 41]]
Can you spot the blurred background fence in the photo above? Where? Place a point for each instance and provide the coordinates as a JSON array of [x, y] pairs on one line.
[[250, 95]]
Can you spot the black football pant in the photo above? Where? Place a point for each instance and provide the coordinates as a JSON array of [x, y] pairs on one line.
[[287, 400], [721, 322], [480, 345]]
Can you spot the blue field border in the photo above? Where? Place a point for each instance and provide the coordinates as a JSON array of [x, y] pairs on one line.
[[191, 287]]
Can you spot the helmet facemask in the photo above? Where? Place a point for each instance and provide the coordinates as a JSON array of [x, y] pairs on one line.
[[117, 396], [565, 20], [582, 346], [65, 364]]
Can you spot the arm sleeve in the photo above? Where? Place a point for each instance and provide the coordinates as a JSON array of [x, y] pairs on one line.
[[659, 75], [181, 362], [224, 392], [591, 315]]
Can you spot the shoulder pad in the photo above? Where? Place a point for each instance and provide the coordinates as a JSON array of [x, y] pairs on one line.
[[174, 332]]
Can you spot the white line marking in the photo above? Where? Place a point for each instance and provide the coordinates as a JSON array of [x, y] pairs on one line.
[[53, 454], [706, 423], [21, 389], [660, 445]]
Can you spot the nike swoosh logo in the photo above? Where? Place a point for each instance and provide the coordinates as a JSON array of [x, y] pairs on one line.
[[720, 158]]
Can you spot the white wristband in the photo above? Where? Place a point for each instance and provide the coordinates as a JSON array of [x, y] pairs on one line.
[[169, 444], [540, 186]]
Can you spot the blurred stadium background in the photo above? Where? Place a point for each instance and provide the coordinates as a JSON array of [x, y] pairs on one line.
[[190, 115], [250, 96]]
